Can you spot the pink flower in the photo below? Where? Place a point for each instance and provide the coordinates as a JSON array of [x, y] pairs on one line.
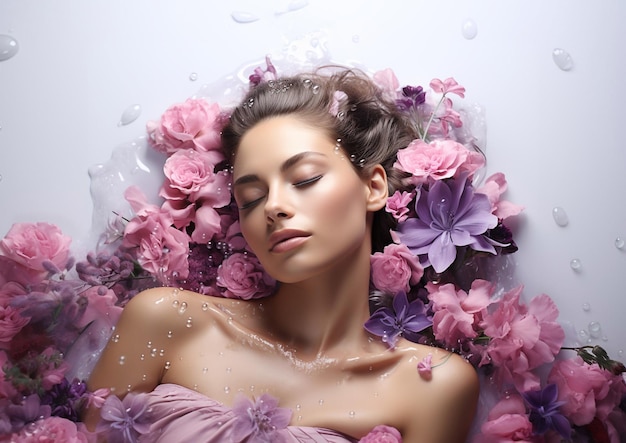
[[424, 367], [11, 322], [437, 160], [398, 205], [31, 244], [100, 307], [52, 430], [260, 420], [586, 390], [395, 269], [387, 81], [162, 249], [53, 372], [507, 422], [194, 124], [448, 86], [242, 277], [98, 397], [522, 338], [457, 314], [382, 434], [493, 188]]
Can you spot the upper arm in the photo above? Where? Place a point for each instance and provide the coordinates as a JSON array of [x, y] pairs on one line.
[[447, 404]]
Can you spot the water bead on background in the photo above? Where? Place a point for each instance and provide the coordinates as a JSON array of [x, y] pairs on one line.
[[244, 17], [575, 264], [619, 241], [560, 216], [586, 307], [8, 47], [469, 29], [193, 76], [562, 59], [129, 115], [595, 330]]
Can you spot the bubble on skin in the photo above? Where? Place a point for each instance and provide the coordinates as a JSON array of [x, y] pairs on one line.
[[8, 47], [115, 338], [226, 389], [562, 59], [189, 322], [130, 114], [122, 360], [469, 29], [205, 306], [169, 334], [182, 308], [243, 17], [352, 414], [575, 264], [560, 216], [205, 370], [168, 365], [619, 241], [153, 353], [142, 357]]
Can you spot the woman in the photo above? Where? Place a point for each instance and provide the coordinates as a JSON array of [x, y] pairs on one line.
[[312, 160]]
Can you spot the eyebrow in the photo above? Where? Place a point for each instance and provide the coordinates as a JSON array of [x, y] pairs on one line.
[[287, 164]]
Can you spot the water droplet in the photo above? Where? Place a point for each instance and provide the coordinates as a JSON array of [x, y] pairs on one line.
[[129, 115], [562, 59], [167, 365], [226, 389], [169, 334], [153, 352], [149, 345], [205, 306], [182, 308], [586, 307], [193, 76], [560, 216], [575, 264], [205, 370], [469, 29], [583, 335], [619, 241], [175, 304], [320, 401], [294, 5], [243, 17], [595, 330], [620, 353], [356, 38], [115, 338], [122, 359], [8, 47], [352, 414], [142, 357], [144, 377], [189, 322]]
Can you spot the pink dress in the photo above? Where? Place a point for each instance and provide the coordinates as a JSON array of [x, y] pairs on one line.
[[180, 414]]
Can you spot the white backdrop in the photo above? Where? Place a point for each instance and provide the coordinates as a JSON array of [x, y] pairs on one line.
[[555, 133]]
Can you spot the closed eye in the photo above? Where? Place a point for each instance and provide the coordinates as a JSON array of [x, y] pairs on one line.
[[307, 181], [250, 204]]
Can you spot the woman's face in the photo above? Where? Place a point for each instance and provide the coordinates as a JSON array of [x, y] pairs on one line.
[[302, 206]]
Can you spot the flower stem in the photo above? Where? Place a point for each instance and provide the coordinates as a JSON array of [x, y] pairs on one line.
[[432, 117]]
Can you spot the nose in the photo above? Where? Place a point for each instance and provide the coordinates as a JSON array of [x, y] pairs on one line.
[[277, 205]]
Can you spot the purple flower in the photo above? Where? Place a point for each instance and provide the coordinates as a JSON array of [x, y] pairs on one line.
[[402, 319], [65, 399], [28, 411], [125, 420], [449, 214], [259, 421], [412, 97], [544, 411]]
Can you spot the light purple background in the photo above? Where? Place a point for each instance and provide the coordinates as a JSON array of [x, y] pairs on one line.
[[557, 135]]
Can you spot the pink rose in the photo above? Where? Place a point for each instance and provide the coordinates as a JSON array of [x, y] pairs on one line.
[[242, 277], [31, 244], [382, 434], [437, 160], [52, 430], [398, 205], [11, 322], [194, 124], [507, 422], [161, 249], [395, 269], [457, 314], [522, 338], [493, 188]]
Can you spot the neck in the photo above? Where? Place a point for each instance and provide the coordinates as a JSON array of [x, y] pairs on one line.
[[324, 316]]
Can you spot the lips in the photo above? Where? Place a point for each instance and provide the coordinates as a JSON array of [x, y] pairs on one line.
[[286, 239]]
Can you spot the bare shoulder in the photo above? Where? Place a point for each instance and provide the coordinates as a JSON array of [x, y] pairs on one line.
[[441, 404]]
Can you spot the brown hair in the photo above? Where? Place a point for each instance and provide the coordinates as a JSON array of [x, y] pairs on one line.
[[367, 126]]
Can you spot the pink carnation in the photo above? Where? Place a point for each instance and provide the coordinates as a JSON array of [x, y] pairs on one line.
[[162, 249], [52, 430], [586, 390], [507, 422], [242, 277], [437, 160], [522, 338], [30, 244], [11, 322], [398, 205], [382, 434], [457, 314], [194, 124], [493, 188], [395, 269]]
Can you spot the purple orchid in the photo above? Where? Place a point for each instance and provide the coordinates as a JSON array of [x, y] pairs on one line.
[[412, 97], [124, 421], [402, 319], [65, 399], [544, 411], [259, 421], [449, 214]]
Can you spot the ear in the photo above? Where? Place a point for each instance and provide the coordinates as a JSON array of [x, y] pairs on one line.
[[377, 192]]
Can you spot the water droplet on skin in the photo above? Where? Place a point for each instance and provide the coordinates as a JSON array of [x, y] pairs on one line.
[[153, 353], [575, 264], [182, 308], [115, 338], [562, 59], [122, 359], [619, 241], [167, 365], [321, 401], [169, 334], [149, 345], [8, 47], [129, 115], [352, 414], [560, 216], [142, 357], [205, 370], [193, 76], [595, 330], [205, 306], [226, 389], [189, 322], [586, 307], [243, 17], [469, 29]]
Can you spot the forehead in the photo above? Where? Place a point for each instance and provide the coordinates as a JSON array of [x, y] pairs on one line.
[[274, 140]]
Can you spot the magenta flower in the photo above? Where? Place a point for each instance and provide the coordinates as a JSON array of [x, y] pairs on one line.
[[124, 421], [449, 214], [402, 319], [382, 434], [259, 75], [544, 411], [397, 204], [260, 420], [447, 86]]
